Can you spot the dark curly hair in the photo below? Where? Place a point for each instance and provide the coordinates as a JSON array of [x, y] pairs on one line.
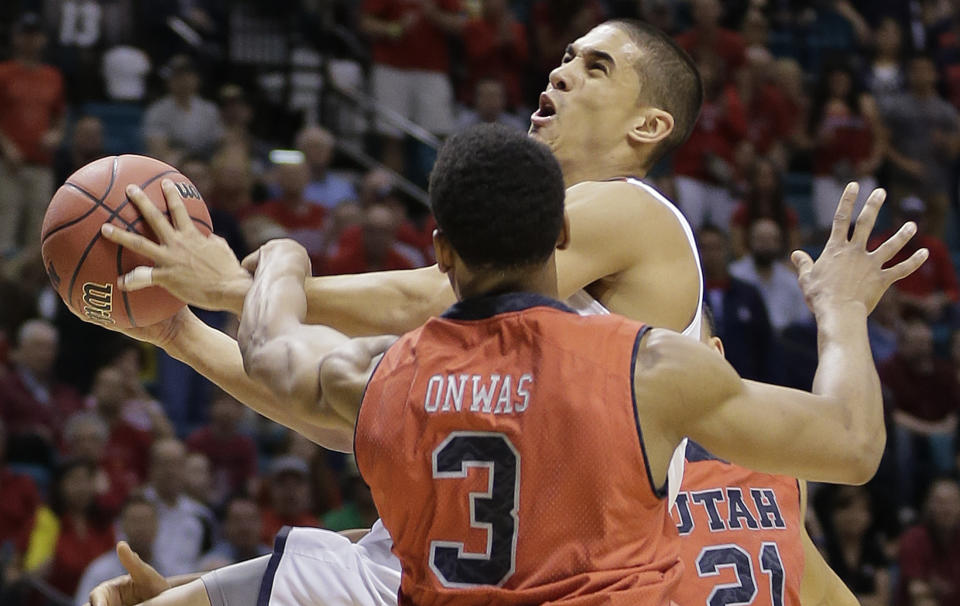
[[497, 196]]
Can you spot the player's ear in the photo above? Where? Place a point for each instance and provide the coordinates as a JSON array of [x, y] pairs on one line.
[[443, 251], [651, 125], [564, 240]]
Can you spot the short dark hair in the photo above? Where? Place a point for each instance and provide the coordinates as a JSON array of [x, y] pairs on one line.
[[497, 196], [669, 80]]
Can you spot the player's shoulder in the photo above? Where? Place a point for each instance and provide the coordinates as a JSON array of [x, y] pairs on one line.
[[628, 201]]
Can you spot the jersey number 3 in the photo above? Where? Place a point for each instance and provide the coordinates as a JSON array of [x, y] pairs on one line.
[[494, 510], [744, 591]]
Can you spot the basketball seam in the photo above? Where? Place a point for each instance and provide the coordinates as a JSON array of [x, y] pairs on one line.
[[96, 204], [93, 240], [166, 214]]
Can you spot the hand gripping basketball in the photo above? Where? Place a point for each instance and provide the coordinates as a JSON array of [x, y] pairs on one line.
[[846, 273], [198, 269]]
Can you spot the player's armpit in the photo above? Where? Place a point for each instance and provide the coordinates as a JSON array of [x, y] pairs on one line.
[[377, 303], [620, 232], [684, 388]]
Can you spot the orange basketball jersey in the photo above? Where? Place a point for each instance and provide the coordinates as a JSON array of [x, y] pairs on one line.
[[740, 535], [504, 455]]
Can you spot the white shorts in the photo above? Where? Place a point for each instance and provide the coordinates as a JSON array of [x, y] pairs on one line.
[[314, 567], [422, 96]]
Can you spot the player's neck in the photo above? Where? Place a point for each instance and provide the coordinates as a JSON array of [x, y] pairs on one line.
[[541, 281], [599, 171]]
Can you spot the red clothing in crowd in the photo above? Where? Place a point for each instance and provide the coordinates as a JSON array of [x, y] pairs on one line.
[[272, 523], [726, 45], [23, 413], [559, 30], [74, 552], [850, 141], [131, 446], [422, 46], [304, 216], [233, 458], [351, 258], [921, 558], [938, 394], [722, 124], [489, 56], [936, 275], [17, 508], [31, 102], [772, 119]]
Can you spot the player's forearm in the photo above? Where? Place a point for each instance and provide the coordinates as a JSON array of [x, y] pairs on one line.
[[846, 373], [378, 303]]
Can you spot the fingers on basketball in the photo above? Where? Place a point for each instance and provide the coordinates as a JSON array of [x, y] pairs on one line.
[[178, 211]]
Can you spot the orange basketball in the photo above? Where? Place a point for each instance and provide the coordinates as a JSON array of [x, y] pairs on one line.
[[84, 266]]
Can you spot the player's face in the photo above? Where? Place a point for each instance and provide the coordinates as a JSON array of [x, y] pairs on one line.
[[590, 104]]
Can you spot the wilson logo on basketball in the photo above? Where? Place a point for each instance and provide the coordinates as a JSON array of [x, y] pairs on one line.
[[187, 190], [98, 302]]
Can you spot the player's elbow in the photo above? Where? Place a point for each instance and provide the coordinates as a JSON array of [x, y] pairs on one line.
[[263, 363], [864, 458]]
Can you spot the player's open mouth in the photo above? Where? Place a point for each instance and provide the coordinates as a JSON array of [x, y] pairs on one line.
[[545, 112]]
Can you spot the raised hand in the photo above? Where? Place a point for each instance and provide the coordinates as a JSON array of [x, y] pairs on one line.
[[141, 584], [198, 269], [846, 273]]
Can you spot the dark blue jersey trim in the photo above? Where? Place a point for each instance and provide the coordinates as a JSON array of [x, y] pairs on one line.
[[266, 585], [480, 308], [660, 492], [696, 453]]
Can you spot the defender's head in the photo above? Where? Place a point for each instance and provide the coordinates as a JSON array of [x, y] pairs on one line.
[[624, 95], [497, 196]]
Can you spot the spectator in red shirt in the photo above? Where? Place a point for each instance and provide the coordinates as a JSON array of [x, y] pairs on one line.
[[930, 551], [85, 438], [772, 120], [83, 533], [704, 164], [232, 455], [127, 445], [289, 498], [32, 108], [496, 47], [410, 65], [33, 404], [707, 39], [923, 394], [763, 199], [19, 504], [372, 246], [932, 290], [291, 209]]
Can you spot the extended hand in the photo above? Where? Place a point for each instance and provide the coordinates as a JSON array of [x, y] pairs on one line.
[[845, 272], [140, 585], [198, 269]]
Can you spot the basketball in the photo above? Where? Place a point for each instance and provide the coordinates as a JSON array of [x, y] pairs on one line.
[[83, 266]]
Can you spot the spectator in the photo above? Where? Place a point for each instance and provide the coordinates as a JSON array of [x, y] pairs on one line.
[[496, 49], [885, 75], [707, 39], [86, 145], [343, 218], [923, 393], [33, 404], [883, 327], [80, 532], [740, 315], [790, 79], [845, 129], [184, 526], [704, 164], [766, 269], [290, 209], [127, 446], [232, 181], [358, 509], [553, 25], [86, 439], [289, 498], [138, 527], [18, 507], [930, 551], [125, 70], [945, 40], [763, 199], [198, 479], [232, 455], [241, 536], [490, 107], [372, 248], [182, 123], [924, 142], [933, 289], [224, 224], [32, 113], [772, 120], [236, 113], [324, 188], [410, 65], [854, 550]]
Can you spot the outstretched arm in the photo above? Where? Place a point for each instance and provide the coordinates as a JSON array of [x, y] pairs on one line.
[[318, 371], [834, 434]]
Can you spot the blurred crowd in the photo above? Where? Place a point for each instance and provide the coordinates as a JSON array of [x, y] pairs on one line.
[[262, 105]]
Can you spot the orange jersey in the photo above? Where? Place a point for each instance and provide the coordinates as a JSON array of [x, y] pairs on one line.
[[502, 447], [740, 535]]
